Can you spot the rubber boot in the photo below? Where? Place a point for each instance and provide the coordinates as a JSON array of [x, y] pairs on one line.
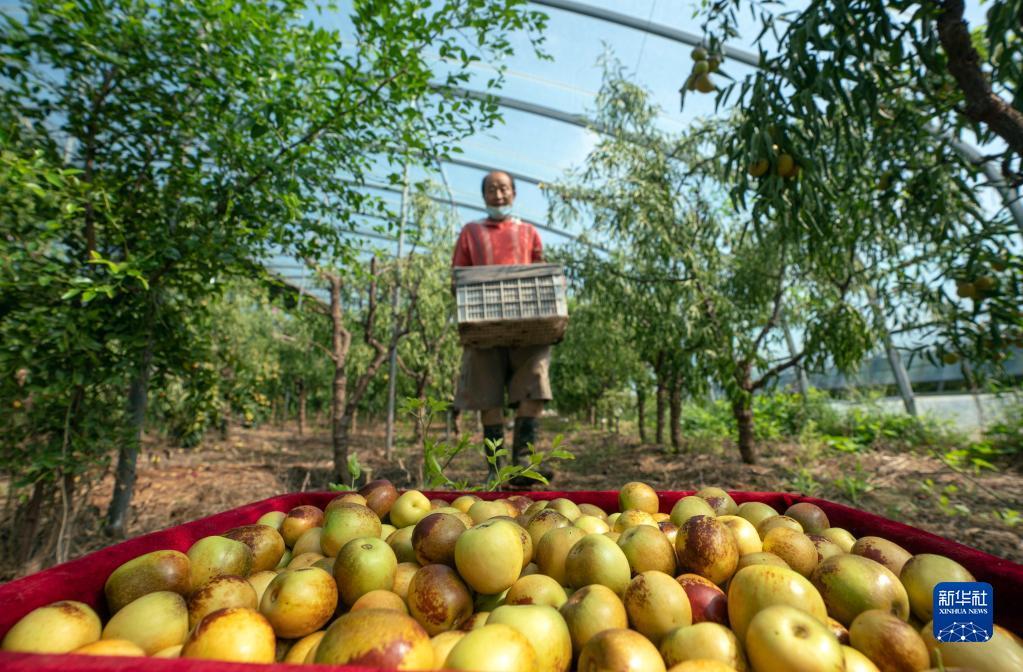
[[495, 433], [525, 434]]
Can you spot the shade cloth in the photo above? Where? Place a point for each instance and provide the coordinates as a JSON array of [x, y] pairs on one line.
[[82, 579]]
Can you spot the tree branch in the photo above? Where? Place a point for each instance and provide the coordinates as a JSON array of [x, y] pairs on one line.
[[92, 130], [381, 350], [982, 105], [775, 312], [278, 161], [775, 370], [371, 311], [649, 279], [405, 368], [291, 339]]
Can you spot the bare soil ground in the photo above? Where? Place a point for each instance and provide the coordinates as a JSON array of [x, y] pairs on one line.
[[176, 485]]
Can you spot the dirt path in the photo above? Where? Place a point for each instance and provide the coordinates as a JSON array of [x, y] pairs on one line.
[[177, 485]]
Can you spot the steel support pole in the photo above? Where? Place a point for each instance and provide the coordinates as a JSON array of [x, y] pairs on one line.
[[802, 383], [902, 381]]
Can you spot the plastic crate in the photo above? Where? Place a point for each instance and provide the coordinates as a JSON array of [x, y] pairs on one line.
[[513, 305], [83, 579]]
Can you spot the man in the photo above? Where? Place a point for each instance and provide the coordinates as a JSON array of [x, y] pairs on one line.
[[503, 239]]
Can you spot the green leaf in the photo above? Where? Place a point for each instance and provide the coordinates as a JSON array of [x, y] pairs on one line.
[[354, 468], [529, 473]]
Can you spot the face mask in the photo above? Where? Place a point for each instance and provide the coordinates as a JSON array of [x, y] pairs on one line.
[[499, 211]]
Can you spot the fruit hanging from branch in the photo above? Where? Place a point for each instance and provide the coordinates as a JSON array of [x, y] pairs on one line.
[[699, 77], [703, 83], [786, 166], [759, 168]]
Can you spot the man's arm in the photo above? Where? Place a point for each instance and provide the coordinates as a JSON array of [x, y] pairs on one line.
[[461, 257], [537, 254]]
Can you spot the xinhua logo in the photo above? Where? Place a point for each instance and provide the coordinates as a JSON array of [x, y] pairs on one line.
[[964, 611]]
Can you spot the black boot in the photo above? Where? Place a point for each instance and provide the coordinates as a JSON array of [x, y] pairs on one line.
[[496, 434], [525, 434]]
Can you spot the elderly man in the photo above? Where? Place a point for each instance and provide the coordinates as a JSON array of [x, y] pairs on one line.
[[486, 373]]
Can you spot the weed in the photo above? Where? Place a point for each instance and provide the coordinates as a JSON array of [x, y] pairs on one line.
[[354, 471], [944, 498], [843, 444], [1010, 517], [803, 481], [853, 486], [438, 454], [975, 456]]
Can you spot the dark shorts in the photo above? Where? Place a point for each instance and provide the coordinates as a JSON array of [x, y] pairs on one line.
[[487, 372]]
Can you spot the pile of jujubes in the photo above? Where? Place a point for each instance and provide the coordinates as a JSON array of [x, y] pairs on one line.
[[405, 582]]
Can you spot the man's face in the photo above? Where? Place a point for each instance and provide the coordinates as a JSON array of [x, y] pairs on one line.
[[499, 190]]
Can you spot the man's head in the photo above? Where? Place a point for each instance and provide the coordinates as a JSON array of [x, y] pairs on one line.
[[498, 193]]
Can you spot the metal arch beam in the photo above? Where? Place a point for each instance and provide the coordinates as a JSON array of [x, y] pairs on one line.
[[371, 234], [473, 206], [1010, 195], [519, 177], [580, 120], [649, 27]]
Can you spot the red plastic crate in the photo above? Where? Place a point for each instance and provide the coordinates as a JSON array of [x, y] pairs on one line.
[[83, 579]]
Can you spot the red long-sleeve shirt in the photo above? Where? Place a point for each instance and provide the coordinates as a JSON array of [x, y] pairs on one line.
[[487, 242]]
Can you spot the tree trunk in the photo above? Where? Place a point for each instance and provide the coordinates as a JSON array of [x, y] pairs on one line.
[[345, 409], [676, 413], [300, 384], [225, 422], [456, 416], [340, 426], [742, 410], [641, 411], [127, 456], [355, 420], [29, 527], [593, 415], [661, 400], [340, 423]]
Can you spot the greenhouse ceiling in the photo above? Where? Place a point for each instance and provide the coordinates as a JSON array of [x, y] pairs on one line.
[[546, 107]]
